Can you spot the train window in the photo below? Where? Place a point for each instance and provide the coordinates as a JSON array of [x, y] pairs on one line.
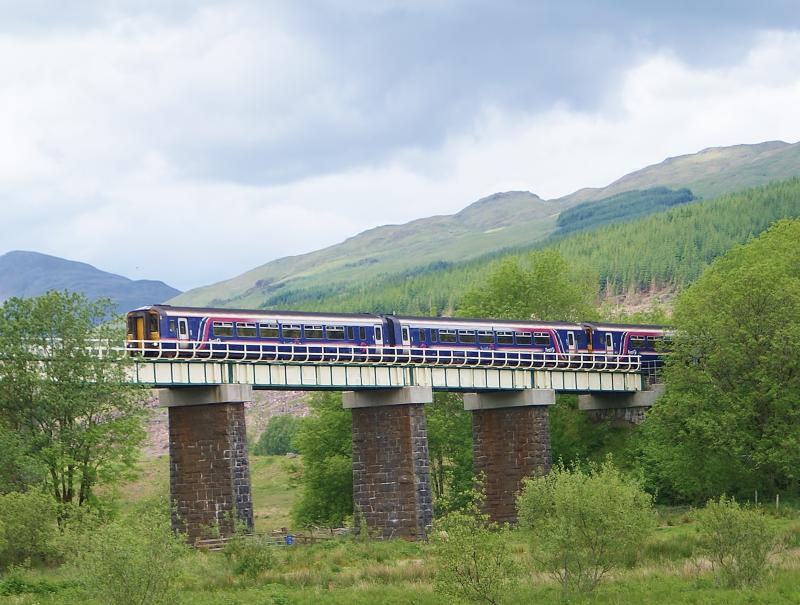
[[447, 335], [656, 342], [505, 338], [291, 331], [246, 330], [223, 328], [417, 334], [404, 334], [313, 332], [362, 333], [434, 335], [351, 333], [335, 332], [131, 325], [268, 330], [466, 336], [172, 326], [523, 338], [486, 337], [154, 323], [541, 339], [636, 342], [609, 341]]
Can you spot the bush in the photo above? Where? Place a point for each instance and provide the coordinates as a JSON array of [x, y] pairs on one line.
[[133, 561], [250, 556], [276, 440], [27, 526], [585, 523], [475, 562], [737, 540]]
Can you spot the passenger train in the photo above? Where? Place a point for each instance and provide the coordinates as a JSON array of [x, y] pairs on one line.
[[166, 331]]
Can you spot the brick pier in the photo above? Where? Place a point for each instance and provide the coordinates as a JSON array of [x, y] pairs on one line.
[[209, 467], [391, 467], [510, 441]]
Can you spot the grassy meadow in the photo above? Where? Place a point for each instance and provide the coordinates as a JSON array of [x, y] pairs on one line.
[[351, 570]]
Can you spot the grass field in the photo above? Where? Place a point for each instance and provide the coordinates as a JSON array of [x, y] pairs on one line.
[[348, 570]]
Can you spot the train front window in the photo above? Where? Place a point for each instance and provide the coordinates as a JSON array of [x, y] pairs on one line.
[[291, 331], [246, 330], [131, 326], [268, 330], [153, 323], [223, 328], [335, 332]]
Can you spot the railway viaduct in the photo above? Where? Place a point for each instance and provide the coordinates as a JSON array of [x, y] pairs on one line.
[[209, 468]]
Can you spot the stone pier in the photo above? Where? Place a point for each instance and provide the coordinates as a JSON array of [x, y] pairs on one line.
[[620, 409], [209, 467], [391, 467], [510, 441]]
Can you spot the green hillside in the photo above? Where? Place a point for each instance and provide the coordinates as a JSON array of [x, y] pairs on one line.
[[491, 226], [667, 249]]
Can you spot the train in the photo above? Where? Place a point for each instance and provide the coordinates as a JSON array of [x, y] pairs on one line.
[[264, 335]]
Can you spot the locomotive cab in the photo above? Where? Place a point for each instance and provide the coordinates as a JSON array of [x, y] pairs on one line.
[[143, 329]]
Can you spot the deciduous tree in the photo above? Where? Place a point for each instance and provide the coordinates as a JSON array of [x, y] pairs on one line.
[[71, 410]]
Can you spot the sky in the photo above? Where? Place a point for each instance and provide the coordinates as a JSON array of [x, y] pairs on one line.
[[192, 141]]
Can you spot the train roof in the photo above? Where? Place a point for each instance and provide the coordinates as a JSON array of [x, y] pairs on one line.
[[603, 325], [266, 312], [477, 321]]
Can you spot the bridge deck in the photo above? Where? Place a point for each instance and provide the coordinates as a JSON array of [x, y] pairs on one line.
[[332, 376]]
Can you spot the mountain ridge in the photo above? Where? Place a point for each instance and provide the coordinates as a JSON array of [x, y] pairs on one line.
[[26, 273]]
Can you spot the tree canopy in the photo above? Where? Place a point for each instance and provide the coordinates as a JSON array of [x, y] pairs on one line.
[[729, 421], [71, 413]]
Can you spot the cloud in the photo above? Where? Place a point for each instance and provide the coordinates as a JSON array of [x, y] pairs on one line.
[[193, 141]]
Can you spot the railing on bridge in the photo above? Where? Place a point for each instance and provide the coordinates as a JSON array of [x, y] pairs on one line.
[[256, 353]]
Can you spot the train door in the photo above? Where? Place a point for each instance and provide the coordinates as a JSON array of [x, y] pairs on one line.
[[571, 342], [378, 336], [609, 342], [405, 336], [183, 333]]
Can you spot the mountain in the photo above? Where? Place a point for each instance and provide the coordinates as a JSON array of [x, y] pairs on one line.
[[499, 222], [27, 274]]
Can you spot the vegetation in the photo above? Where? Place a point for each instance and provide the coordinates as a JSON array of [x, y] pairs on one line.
[[134, 560], [619, 208], [324, 440], [450, 451], [585, 524], [72, 416], [737, 540], [664, 250], [277, 438], [27, 527], [543, 287], [475, 560], [733, 378]]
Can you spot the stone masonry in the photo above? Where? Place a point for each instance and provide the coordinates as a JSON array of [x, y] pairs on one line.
[[209, 469], [391, 470], [618, 416], [509, 444]]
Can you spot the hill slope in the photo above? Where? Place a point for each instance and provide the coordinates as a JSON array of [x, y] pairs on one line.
[[27, 274], [499, 222]]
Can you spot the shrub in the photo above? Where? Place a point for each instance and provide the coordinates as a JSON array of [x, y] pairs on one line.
[[276, 440], [133, 560], [475, 561], [250, 556], [585, 523], [27, 526], [737, 540]]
